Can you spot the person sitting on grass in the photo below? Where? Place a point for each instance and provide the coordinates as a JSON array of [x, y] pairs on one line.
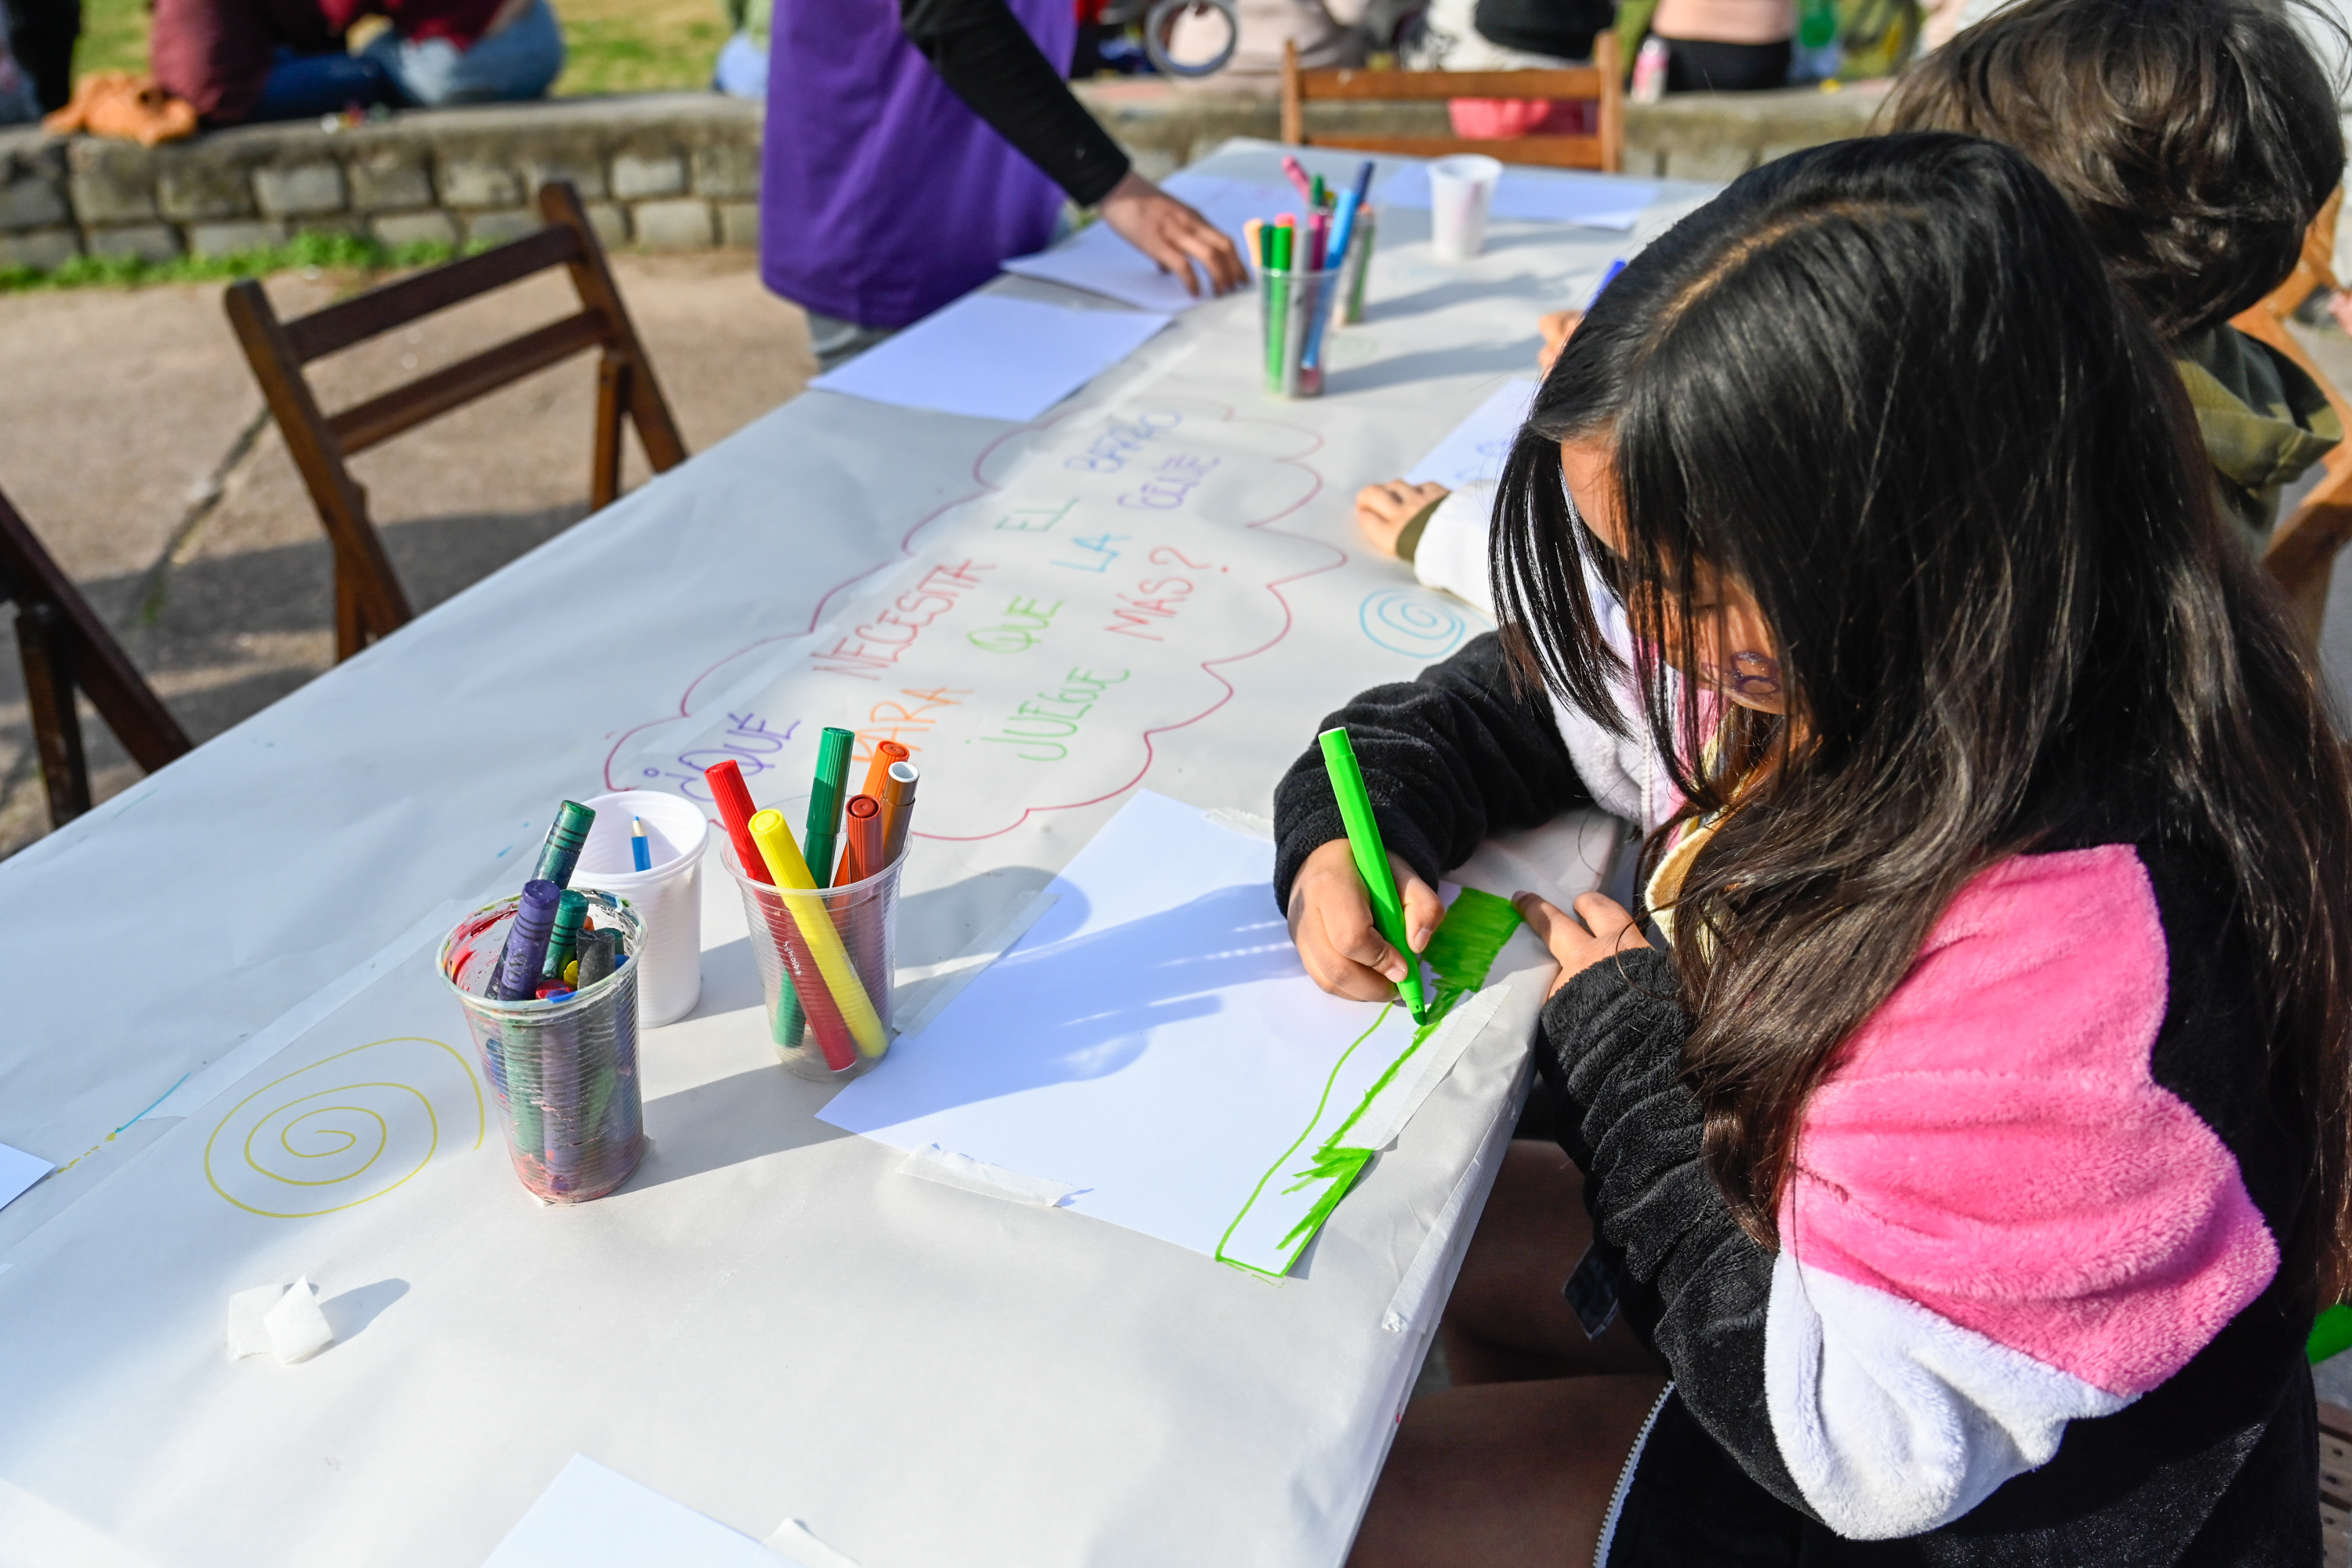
[[243, 61], [1957, 1184]]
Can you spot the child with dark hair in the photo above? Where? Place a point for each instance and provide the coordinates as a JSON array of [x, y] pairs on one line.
[[1957, 1185], [2199, 139]]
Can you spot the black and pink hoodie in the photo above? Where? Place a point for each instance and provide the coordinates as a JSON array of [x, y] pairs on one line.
[[2027, 1306]]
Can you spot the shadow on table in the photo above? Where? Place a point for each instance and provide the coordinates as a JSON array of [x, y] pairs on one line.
[[1482, 359], [355, 1309], [1069, 1009], [750, 1115]]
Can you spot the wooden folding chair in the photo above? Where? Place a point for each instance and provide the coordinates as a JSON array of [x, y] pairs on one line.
[[2301, 555], [1601, 83], [64, 645], [369, 601]]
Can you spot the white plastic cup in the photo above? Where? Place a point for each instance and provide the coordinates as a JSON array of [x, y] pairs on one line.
[[1461, 193], [667, 898]]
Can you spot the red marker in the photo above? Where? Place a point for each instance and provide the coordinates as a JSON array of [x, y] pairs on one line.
[[735, 813]]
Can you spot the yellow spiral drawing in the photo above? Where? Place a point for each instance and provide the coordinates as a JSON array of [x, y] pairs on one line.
[[345, 1128]]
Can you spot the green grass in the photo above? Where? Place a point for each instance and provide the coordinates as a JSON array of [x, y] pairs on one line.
[[614, 46], [325, 252]]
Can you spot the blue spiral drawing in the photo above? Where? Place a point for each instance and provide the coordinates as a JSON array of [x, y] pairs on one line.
[[1414, 624]]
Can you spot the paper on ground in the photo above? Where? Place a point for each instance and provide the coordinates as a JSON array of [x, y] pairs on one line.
[[1591, 201], [993, 358], [1098, 260], [1474, 450], [19, 1172], [1152, 1041], [591, 1517]]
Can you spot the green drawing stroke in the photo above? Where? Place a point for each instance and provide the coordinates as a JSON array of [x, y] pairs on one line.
[[1464, 949]]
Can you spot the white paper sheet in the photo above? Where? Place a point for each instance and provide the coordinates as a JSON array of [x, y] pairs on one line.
[[1590, 201], [591, 1517], [1152, 1041], [1474, 450], [19, 1172], [993, 358], [1099, 261]]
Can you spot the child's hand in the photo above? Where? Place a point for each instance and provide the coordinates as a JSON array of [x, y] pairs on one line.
[[1605, 930], [1383, 510], [1331, 924], [1556, 327]]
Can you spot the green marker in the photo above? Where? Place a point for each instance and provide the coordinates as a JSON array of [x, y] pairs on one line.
[[824, 802], [560, 853], [563, 941], [1371, 858], [816, 848], [1277, 300]]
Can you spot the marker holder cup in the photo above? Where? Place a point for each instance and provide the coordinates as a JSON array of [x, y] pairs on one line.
[[1294, 312], [865, 916], [564, 1073], [1357, 264], [668, 898], [1461, 195]]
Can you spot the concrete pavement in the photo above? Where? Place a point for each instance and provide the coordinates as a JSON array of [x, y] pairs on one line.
[[132, 439]]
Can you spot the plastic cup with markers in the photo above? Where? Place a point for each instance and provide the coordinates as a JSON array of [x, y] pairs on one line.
[[548, 981]]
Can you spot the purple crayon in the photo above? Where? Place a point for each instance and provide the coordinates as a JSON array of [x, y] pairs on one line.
[[526, 950]]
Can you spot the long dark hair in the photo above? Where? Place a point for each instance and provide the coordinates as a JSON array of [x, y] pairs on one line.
[[2197, 138], [1884, 385]]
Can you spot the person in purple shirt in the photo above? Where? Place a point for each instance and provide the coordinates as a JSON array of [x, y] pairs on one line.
[[909, 155]]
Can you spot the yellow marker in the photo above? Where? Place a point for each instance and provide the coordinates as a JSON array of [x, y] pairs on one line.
[[798, 889]]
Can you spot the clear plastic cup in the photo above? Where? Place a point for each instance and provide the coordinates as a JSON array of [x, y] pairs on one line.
[[1294, 310], [1357, 263], [564, 1071], [864, 919], [668, 898], [1461, 193]]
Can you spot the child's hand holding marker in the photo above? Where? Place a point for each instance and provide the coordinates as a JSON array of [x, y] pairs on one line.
[[1331, 924]]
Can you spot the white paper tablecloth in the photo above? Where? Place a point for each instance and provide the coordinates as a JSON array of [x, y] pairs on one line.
[[768, 1322]]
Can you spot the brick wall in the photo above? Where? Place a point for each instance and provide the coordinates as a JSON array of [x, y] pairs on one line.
[[663, 171], [668, 171]]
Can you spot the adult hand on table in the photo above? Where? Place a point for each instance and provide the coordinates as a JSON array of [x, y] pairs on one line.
[[1173, 234], [1383, 510], [1600, 928], [1331, 924]]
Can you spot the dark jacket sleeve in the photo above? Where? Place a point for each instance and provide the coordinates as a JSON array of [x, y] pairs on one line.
[[988, 59], [1451, 758], [1695, 1286]]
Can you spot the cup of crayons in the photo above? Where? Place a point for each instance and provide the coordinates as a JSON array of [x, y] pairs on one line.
[[1309, 274], [824, 911], [549, 984]]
